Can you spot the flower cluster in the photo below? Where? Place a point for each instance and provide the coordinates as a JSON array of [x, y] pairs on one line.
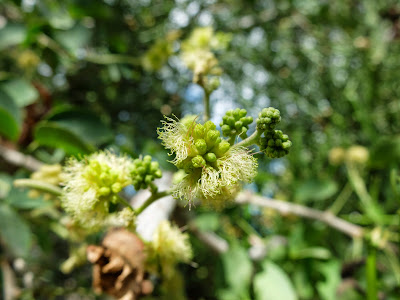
[[213, 167], [169, 247], [235, 123], [144, 172], [197, 52], [49, 174], [92, 184]]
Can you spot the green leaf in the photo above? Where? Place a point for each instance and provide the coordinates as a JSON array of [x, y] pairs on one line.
[[14, 232], [328, 288], [12, 34], [19, 198], [5, 185], [316, 189], [21, 91], [273, 284], [83, 124], [73, 131], [53, 135], [385, 152], [237, 269], [10, 117], [207, 221], [73, 39]]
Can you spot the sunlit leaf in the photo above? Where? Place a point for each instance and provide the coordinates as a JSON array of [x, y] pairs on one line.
[[21, 91], [273, 284], [12, 34]]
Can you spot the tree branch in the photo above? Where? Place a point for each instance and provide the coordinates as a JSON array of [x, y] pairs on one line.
[[18, 159], [283, 207], [213, 241]]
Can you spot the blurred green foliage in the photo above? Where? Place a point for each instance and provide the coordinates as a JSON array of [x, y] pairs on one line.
[[80, 75]]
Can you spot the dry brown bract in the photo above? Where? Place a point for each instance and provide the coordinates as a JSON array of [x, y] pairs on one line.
[[119, 266]]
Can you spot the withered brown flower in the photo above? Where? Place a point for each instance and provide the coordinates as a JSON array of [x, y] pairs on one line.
[[119, 266]]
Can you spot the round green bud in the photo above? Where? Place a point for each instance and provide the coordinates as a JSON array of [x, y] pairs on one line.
[[104, 191], [116, 187], [209, 125], [231, 121], [198, 161], [201, 146], [141, 170], [210, 157], [212, 137], [147, 159], [154, 166], [238, 125], [221, 148], [225, 129], [158, 173], [148, 179], [198, 131]]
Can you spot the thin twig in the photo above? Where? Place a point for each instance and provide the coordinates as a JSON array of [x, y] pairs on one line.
[[10, 288], [284, 207], [213, 241], [18, 159]]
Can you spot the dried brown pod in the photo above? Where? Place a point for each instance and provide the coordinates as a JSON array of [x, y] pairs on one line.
[[119, 266]]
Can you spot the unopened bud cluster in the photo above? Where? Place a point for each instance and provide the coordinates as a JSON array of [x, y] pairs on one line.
[[144, 172], [235, 123], [273, 143], [268, 118]]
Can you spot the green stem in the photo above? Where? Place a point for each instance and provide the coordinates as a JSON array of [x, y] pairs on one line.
[[151, 199], [369, 205], [251, 140], [106, 59], [206, 102], [341, 199], [124, 202], [38, 185], [372, 290]]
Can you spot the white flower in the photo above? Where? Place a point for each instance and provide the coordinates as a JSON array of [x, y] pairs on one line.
[[92, 183]]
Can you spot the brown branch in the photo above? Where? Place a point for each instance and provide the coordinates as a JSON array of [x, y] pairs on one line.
[[288, 208], [18, 159], [10, 288]]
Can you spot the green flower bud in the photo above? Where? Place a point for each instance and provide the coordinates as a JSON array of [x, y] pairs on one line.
[[104, 191], [147, 159], [116, 187], [154, 166], [201, 146], [221, 148], [209, 125], [238, 125], [198, 132], [148, 179], [212, 137], [210, 157], [226, 129], [198, 161]]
